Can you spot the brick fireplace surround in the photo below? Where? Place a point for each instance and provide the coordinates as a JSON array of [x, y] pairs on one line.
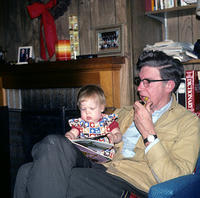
[[104, 71]]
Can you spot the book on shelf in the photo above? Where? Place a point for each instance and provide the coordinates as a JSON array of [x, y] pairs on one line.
[[95, 150], [148, 5], [180, 93], [192, 90], [153, 5]]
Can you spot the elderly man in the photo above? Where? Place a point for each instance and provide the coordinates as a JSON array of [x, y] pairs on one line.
[[160, 142]]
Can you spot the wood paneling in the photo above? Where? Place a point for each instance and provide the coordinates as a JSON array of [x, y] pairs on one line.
[[183, 26], [20, 30], [86, 34]]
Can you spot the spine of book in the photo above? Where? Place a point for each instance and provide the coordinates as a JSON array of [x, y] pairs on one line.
[[175, 3], [192, 90], [156, 5], [148, 6], [152, 5], [171, 3]]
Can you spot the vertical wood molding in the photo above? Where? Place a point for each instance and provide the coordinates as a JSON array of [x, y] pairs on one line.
[[3, 101], [117, 89], [106, 83]]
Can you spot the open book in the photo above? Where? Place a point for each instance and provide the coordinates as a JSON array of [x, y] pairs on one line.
[[95, 150]]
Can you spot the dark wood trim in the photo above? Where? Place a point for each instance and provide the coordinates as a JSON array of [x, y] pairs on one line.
[[73, 73], [101, 63]]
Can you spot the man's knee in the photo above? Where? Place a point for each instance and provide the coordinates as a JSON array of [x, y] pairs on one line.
[[53, 139], [21, 180]]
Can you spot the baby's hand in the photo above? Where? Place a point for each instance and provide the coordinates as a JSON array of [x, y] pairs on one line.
[[110, 136], [69, 135], [115, 136], [72, 134]]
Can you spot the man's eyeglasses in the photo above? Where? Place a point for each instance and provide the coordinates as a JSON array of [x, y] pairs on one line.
[[146, 82]]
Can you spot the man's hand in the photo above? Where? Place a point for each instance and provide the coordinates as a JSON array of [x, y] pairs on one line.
[[143, 118]]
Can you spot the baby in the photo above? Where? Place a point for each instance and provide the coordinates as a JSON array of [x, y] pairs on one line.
[[93, 123]]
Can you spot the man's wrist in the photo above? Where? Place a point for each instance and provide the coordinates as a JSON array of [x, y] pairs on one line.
[[150, 139]]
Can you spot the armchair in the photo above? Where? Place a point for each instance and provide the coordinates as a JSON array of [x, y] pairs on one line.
[[184, 186]]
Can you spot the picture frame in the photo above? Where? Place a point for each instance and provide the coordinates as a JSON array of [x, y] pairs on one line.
[[24, 53], [108, 40]]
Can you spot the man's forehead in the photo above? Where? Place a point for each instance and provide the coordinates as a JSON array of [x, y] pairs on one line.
[[149, 71]]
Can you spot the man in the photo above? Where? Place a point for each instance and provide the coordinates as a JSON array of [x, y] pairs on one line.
[[160, 142]]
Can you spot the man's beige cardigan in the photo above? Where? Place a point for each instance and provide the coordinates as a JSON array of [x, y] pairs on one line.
[[175, 154]]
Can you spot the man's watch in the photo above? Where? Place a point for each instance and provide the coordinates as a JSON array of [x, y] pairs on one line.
[[150, 139]]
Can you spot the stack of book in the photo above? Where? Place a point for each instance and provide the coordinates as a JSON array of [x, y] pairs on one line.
[[182, 51], [153, 5]]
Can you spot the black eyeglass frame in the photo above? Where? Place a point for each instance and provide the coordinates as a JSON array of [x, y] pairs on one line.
[[137, 80]]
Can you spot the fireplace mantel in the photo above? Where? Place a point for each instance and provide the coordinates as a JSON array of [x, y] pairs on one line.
[[104, 71]]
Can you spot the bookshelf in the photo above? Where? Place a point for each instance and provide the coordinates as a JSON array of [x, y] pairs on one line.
[[162, 15], [194, 61], [172, 10]]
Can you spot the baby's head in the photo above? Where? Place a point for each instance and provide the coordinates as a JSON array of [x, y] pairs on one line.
[[91, 102]]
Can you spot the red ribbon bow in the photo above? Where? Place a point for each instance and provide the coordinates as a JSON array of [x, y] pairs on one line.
[[37, 9]]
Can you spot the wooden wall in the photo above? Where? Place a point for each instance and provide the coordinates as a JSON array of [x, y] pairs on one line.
[[184, 26], [17, 29]]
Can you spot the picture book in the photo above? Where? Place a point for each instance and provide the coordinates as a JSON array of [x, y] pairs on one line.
[[97, 151]]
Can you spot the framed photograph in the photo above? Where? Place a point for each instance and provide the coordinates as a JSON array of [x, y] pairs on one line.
[[109, 40], [24, 53]]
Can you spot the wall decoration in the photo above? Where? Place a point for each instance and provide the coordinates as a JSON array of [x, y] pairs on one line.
[[48, 12], [24, 54], [74, 36], [109, 40], [59, 8]]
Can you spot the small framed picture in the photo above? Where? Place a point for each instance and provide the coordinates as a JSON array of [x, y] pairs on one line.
[[24, 53], [109, 40]]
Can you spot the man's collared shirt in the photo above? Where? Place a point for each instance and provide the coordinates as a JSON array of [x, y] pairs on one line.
[[132, 135]]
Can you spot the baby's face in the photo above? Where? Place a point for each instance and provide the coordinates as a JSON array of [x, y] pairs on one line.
[[91, 109]]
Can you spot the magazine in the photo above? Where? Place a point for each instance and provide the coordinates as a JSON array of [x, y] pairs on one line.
[[95, 150]]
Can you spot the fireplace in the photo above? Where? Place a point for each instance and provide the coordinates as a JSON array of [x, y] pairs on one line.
[[41, 97], [45, 93], [44, 112]]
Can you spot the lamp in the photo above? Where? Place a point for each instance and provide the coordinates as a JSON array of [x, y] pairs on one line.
[[63, 51]]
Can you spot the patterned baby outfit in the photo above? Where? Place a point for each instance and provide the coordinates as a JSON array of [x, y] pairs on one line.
[[90, 129]]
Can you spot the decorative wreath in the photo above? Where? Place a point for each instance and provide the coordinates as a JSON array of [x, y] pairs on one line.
[[59, 9]]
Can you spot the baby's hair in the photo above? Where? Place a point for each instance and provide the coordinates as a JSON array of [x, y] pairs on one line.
[[91, 91]]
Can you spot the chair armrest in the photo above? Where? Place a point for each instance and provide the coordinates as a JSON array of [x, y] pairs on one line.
[[184, 186]]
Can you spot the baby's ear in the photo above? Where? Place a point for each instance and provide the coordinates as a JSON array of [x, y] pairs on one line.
[[102, 108]]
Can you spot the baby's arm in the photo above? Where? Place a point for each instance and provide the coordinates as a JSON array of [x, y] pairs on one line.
[[72, 134], [115, 136]]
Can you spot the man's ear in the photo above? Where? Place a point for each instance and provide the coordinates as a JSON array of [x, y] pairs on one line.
[[170, 85]]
